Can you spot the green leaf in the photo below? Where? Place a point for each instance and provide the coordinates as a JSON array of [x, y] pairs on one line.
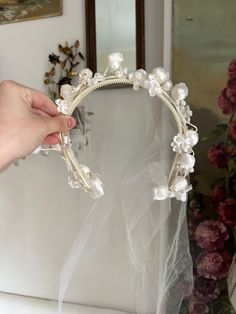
[[232, 166], [222, 305], [219, 131], [218, 181], [234, 233]]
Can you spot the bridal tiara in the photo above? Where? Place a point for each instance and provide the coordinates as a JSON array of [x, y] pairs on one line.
[[158, 84]]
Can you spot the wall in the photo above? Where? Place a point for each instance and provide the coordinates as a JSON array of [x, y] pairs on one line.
[[25, 46], [37, 228]]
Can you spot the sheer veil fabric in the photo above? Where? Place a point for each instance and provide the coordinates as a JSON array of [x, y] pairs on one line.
[[131, 252]]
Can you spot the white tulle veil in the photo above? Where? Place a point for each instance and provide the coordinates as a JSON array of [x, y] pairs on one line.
[[131, 252]]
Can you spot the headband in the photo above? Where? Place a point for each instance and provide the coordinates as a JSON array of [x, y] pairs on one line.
[[158, 84]]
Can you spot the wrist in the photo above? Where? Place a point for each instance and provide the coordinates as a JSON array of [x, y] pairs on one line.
[[4, 161], [6, 157]]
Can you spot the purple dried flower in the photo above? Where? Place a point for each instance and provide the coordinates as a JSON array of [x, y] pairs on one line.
[[213, 265], [205, 289], [197, 306], [211, 235]]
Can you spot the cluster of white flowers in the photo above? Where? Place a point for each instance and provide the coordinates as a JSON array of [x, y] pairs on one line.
[[86, 78], [155, 82], [62, 106], [183, 143], [185, 111]]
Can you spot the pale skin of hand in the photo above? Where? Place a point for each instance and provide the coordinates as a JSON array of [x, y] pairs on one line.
[[28, 118]]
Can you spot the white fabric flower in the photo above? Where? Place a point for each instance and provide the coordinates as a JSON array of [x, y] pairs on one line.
[[180, 194], [184, 143], [178, 142], [152, 85], [122, 72], [98, 77], [62, 106], [186, 112], [85, 75], [138, 78]]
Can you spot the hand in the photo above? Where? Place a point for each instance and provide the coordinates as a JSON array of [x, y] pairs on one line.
[[28, 118]]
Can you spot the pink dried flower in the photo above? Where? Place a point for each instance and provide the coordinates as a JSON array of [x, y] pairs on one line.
[[198, 214], [206, 289], [231, 91], [183, 288], [232, 130], [231, 150], [225, 103], [232, 69], [191, 228], [196, 306], [211, 235], [213, 265], [227, 212], [217, 155], [219, 194]]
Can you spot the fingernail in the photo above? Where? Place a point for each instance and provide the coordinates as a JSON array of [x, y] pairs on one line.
[[71, 123]]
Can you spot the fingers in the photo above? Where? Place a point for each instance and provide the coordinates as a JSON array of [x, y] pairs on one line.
[[40, 113], [43, 103], [32, 97], [57, 124], [52, 139]]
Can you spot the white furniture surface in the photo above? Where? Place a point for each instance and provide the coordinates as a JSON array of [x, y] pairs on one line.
[[13, 304]]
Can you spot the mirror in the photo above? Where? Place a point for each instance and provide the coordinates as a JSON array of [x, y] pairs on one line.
[[116, 25]]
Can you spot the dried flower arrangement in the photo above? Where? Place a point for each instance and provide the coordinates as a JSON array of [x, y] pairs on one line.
[[212, 220], [63, 68]]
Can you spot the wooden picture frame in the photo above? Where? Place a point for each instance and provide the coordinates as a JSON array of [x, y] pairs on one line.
[[19, 10], [91, 46]]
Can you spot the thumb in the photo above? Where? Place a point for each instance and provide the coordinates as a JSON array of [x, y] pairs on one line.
[[60, 123]]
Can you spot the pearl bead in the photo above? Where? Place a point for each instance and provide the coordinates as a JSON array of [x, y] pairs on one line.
[[187, 161], [179, 184], [66, 90], [179, 91], [161, 75], [193, 136], [161, 192]]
